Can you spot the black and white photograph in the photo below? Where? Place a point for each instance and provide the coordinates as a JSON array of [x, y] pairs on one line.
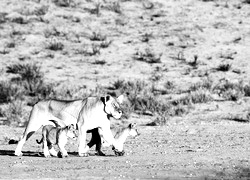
[[125, 89]]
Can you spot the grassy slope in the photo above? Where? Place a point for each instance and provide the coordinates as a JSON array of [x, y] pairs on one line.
[[215, 32]]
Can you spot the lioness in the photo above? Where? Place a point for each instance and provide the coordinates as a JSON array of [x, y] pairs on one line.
[[56, 136], [89, 113]]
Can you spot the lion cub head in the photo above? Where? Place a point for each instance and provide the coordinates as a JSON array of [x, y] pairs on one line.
[[71, 131]]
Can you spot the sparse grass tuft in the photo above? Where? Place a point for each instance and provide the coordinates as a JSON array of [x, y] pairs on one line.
[[224, 67], [115, 7], [95, 50], [148, 56], [55, 45], [105, 43], [97, 36], [247, 90], [62, 3], [97, 9], [53, 32], [146, 37], [99, 62]]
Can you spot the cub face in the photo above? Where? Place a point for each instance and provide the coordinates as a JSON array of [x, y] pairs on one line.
[[71, 131], [132, 130]]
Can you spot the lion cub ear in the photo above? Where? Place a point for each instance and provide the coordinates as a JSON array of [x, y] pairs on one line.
[[120, 99]]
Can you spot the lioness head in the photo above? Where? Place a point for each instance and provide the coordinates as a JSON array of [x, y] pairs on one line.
[[112, 106]]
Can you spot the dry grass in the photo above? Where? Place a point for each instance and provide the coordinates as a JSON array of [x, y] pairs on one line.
[[170, 58]]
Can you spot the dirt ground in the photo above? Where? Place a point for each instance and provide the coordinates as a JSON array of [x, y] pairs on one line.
[[201, 145]]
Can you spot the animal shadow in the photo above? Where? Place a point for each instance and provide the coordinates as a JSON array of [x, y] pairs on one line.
[[40, 154], [25, 153]]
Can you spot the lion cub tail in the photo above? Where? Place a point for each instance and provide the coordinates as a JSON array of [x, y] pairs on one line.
[[56, 124]]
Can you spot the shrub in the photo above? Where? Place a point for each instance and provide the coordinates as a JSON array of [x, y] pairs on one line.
[[15, 113], [62, 3], [9, 92], [3, 18], [99, 62], [229, 91], [148, 56], [55, 45], [247, 90], [200, 96], [31, 78], [224, 67]]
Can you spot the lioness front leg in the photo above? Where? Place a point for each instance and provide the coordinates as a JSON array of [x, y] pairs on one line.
[[108, 137], [82, 148]]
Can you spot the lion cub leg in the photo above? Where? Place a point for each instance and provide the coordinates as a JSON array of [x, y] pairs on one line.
[[45, 143], [52, 151], [62, 141]]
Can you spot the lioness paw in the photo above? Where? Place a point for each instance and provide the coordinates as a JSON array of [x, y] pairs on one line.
[[65, 155], [47, 155], [18, 153], [118, 153], [83, 154], [100, 153]]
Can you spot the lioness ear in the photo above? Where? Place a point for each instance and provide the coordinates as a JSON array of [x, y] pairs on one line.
[[132, 125], [120, 99], [105, 99]]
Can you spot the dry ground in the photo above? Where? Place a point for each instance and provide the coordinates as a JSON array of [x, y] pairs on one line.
[[209, 142], [194, 147]]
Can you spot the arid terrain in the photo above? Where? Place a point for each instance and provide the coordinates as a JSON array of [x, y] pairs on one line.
[[183, 66]]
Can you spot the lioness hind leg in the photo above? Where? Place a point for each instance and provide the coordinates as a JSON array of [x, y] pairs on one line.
[[82, 148], [98, 145], [96, 140], [35, 122], [27, 134], [25, 137]]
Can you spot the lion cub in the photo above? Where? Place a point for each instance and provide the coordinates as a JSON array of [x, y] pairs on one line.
[[120, 136], [56, 136]]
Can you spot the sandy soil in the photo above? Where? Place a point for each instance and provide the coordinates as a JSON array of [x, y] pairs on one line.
[[207, 143], [201, 145]]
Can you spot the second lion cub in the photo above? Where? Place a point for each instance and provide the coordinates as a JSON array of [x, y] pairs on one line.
[[56, 136]]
